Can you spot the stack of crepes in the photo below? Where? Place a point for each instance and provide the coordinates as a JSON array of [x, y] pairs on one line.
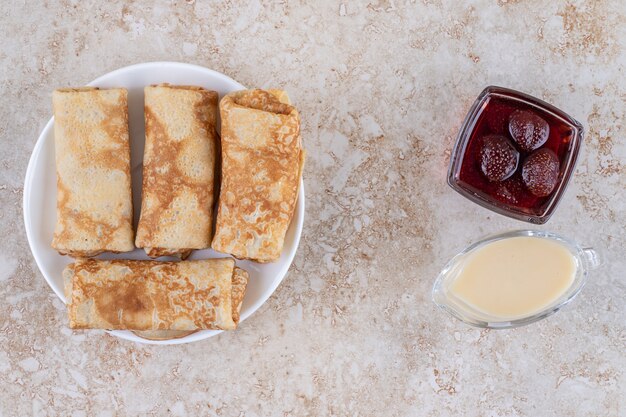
[[261, 168]]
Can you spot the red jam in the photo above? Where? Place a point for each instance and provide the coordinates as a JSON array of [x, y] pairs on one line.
[[526, 127]]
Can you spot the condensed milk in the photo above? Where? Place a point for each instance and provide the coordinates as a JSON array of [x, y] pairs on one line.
[[514, 277]]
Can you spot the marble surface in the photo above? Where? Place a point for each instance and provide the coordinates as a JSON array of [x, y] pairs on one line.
[[382, 87]]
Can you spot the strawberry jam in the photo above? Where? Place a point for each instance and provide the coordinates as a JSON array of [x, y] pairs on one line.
[[503, 130]]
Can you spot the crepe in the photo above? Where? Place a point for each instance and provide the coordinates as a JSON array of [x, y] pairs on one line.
[[152, 295], [262, 159], [179, 167], [94, 203]]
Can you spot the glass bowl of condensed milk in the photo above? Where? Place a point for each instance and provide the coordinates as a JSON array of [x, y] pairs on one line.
[[513, 279]]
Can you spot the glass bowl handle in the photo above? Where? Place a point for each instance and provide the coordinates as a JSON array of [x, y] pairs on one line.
[[592, 258]]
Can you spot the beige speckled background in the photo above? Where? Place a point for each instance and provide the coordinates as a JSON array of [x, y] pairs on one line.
[[382, 88]]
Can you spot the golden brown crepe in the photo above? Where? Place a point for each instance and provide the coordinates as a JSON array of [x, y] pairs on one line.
[[94, 203], [152, 295], [179, 167], [262, 159]]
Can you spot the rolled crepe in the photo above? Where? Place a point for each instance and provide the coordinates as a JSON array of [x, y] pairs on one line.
[[94, 203], [178, 170], [151, 295], [262, 159]]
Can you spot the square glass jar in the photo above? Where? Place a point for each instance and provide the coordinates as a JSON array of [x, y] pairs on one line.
[[489, 115]]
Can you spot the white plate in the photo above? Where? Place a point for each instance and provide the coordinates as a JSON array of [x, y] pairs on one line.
[[40, 190]]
